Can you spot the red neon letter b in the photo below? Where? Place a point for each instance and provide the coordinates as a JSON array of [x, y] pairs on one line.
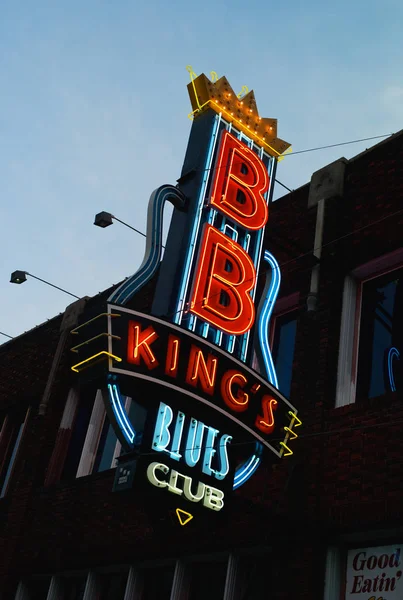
[[224, 277], [241, 180]]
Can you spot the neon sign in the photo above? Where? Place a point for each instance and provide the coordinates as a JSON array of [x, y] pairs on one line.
[[196, 345], [240, 184], [393, 353], [166, 355], [225, 275], [192, 443]]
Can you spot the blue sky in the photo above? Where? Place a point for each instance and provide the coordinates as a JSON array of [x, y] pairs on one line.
[[93, 116]]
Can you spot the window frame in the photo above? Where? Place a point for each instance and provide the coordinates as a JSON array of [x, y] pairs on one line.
[[86, 457], [134, 575], [9, 461], [350, 325], [286, 305], [93, 437]]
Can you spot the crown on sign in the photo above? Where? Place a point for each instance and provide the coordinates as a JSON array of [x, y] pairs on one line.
[[239, 109]]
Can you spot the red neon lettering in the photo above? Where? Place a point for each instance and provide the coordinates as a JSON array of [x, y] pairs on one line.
[[240, 184], [201, 371], [171, 365], [138, 345], [240, 400], [224, 277], [266, 423]]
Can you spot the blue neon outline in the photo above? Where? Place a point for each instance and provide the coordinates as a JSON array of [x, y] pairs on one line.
[[247, 473], [244, 472], [264, 318], [120, 413], [153, 251], [240, 474], [393, 353], [196, 224]]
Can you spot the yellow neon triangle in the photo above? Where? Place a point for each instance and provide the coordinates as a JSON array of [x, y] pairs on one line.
[[182, 520]]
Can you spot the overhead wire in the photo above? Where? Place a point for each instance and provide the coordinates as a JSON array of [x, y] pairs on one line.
[[262, 271], [289, 154], [215, 168], [6, 335]]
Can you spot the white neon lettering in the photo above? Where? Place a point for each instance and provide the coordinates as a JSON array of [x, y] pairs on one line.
[[151, 476], [187, 483], [173, 480], [213, 498]]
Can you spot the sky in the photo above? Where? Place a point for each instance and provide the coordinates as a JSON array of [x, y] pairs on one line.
[[94, 105]]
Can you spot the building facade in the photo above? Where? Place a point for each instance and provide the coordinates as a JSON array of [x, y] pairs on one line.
[[326, 521]]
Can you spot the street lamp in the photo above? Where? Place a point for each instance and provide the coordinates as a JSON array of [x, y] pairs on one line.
[[21, 277], [18, 277], [104, 219]]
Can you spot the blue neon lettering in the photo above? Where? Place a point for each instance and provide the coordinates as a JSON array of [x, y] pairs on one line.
[[194, 443], [223, 455], [209, 451], [162, 437], [177, 438]]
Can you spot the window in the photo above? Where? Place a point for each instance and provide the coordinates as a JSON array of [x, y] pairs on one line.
[[371, 330], [70, 587], [113, 586], [364, 572], [253, 574], [10, 439], [381, 330], [93, 445], [282, 336], [80, 410], [285, 331], [35, 588], [74, 588], [207, 580], [157, 583]]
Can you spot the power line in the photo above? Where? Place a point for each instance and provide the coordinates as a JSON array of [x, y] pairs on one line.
[[6, 335], [309, 252], [215, 168], [284, 186], [375, 137]]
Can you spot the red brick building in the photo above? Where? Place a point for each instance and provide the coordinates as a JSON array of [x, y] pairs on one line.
[[305, 527]]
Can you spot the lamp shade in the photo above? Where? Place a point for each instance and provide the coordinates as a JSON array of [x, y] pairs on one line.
[[103, 219], [18, 277]]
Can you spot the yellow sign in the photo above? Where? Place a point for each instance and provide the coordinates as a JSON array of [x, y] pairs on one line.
[[239, 109], [183, 516]]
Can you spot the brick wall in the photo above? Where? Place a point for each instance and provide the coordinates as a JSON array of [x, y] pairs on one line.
[[344, 476]]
